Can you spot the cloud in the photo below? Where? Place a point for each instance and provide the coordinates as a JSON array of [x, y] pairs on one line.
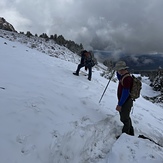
[[148, 61], [122, 25]]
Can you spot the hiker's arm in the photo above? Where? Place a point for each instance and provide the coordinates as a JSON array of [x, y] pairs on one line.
[[82, 59], [124, 96]]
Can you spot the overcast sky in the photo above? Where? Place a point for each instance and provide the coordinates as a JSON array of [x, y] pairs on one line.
[[134, 26]]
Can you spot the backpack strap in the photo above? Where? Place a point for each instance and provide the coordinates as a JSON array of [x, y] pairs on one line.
[[121, 81]]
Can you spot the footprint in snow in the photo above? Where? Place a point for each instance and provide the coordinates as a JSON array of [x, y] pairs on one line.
[[26, 147]]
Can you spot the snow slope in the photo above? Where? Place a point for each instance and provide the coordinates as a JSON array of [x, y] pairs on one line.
[[48, 115]]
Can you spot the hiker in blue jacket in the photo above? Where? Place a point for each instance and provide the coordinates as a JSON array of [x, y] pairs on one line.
[[125, 102]]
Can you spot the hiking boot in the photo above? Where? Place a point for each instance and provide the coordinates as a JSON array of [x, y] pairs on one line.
[[131, 131], [89, 79], [75, 74], [118, 136]]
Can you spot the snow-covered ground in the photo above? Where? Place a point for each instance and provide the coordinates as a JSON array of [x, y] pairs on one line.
[[48, 115]]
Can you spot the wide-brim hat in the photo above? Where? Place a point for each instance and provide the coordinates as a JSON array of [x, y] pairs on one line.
[[121, 65]]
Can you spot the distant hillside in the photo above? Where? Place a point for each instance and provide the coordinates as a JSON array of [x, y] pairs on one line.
[[135, 62], [144, 62], [60, 40]]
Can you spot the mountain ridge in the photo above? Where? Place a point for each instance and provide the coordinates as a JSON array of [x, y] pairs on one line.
[[134, 61]]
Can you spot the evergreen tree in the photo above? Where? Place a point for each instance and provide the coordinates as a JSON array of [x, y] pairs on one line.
[[29, 34], [61, 40]]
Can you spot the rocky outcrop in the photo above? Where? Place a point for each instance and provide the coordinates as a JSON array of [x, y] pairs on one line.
[[157, 84], [5, 25]]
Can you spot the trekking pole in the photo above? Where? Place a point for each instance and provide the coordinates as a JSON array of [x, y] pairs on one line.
[[106, 86]]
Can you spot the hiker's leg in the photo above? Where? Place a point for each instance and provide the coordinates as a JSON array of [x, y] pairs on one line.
[[79, 67], [90, 73], [125, 117], [131, 130]]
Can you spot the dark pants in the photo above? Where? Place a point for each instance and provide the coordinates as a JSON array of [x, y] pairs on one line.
[[125, 117], [89, 70]]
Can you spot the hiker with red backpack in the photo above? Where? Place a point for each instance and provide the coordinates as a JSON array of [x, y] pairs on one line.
[[125, 102], [87, 62]]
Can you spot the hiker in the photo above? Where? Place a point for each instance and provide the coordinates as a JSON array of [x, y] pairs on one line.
[[85, 62], [125, 102]]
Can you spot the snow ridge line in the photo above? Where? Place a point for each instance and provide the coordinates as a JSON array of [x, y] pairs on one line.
[[47, 47]]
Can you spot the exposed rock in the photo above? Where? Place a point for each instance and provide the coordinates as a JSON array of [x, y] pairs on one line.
[[5, 25], [157, 85]]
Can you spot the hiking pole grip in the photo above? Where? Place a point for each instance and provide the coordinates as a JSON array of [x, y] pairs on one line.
[[106, 86]]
